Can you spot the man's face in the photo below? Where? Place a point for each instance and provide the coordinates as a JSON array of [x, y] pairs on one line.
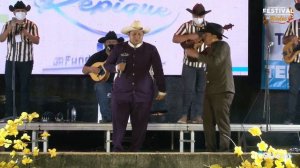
[[198, 20], [20, 14], [111, 42], [136, 36]]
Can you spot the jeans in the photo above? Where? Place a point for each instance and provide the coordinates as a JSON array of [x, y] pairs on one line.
[[294, 82], [103, 95], [194, 82], [22, 78]]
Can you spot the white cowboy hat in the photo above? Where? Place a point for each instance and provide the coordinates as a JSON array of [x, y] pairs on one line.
[[136, 25]]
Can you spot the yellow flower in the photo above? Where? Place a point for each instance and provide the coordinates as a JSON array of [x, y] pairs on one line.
[[26, 160], [258, 161], [23, 116], [12, 153], [271, 150], [289, 163], [7, 143], [19, 145], [215, 166], [35, 151], [255, 131], [44, 135], [12, 164], [262, 146], [245, 164], [26, 137], [52, 152], [254, 154], [3, 164], [269, 163], [34, 115], [18, 121], [26, 151], [279, 164], [238, 150], [3, 133]]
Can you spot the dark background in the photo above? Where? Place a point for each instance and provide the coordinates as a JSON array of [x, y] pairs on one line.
[[53, 93]]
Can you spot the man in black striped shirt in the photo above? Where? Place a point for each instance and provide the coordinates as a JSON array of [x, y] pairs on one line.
[[21, 34], [193, 71]]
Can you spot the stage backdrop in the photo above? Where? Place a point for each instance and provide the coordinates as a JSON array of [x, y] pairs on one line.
[[69, 29], [277, 16]]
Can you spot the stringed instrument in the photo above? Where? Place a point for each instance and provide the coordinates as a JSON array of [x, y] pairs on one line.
[[191, 43], [289, 53], [103, 74]]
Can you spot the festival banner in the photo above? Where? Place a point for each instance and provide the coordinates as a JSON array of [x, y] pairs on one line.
[[277, 14]]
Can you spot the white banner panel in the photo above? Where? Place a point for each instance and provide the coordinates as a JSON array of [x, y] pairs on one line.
[[69, 29]]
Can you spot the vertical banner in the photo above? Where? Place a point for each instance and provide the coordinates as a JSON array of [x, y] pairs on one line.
[[277, 16]]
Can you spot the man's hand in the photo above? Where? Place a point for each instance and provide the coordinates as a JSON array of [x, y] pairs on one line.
[[121, 67], [160, 96], [191, 52], [292, 38], [194, 36], [94, 70]]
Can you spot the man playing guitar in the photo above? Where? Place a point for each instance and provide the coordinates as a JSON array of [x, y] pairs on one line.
[[291, 36], [103, 79]]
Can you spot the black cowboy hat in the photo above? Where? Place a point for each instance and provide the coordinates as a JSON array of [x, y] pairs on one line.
[[215, 29], [19, 5], [111, 35], [198, 10]]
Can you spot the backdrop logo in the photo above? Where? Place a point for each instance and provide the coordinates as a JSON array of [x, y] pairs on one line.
[[120, 9], [278, 14]]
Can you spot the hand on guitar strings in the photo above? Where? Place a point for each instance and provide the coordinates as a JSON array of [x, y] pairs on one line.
[[94, 70]]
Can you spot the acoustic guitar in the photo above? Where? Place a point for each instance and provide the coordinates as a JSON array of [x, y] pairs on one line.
[[289, 53], [192, 43], [102, 76]]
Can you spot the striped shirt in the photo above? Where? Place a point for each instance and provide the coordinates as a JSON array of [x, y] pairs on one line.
[[294, 29], [190, 28], [23, 49]]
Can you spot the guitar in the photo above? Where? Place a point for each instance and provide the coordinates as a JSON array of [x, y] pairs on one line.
[[289, 55], [191, 43], [102, 76]]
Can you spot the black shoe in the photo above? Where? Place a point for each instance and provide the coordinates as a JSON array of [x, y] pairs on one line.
[[288, 122], [105, 121]]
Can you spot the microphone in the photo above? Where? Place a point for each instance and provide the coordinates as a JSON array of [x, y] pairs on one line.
[[270, 44]]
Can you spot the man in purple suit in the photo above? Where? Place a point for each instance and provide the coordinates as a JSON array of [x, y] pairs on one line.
[[133, 88]]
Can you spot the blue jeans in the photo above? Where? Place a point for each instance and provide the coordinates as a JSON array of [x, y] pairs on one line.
[[22, 78], [294, 82], [194, 83], [103, 95]]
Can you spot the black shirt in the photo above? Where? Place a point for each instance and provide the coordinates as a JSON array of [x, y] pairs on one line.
[[100, 56]]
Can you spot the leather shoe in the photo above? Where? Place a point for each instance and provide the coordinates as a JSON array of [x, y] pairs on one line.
[[182, 120]]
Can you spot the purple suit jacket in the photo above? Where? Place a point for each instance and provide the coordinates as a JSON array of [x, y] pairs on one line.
[[136, 83]]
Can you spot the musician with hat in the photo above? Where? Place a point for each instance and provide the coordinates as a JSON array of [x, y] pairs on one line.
[[133, 88], [219, 91], [291, 41], [193, 70], [20, 34], [103, 79]]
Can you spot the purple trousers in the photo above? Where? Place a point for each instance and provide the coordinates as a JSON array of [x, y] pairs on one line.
[[139, 113]]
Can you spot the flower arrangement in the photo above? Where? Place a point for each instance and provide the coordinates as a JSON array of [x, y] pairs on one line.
[[20, 155], [266, 157]]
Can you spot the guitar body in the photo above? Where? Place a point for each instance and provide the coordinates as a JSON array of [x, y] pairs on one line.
[[289, 55], [102, 76]]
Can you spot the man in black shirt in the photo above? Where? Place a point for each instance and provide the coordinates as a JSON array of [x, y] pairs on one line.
[[103, 87]]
